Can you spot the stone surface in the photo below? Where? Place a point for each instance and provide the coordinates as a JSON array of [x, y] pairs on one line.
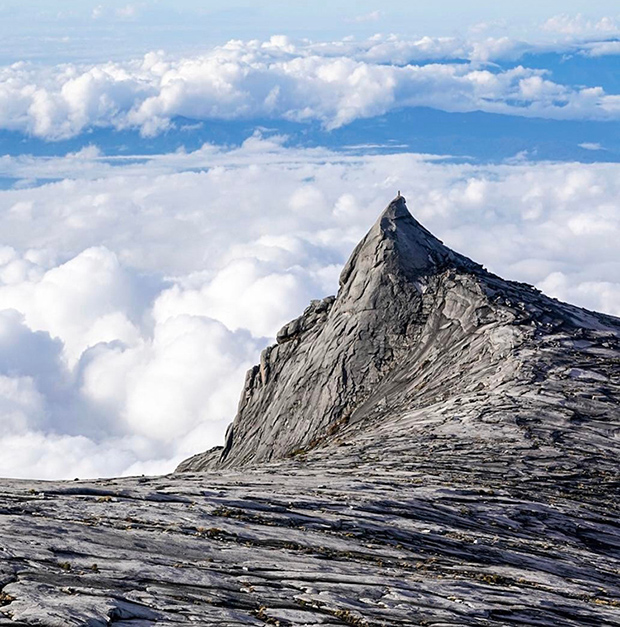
[[416, 326], [449, 539], [434, 446]]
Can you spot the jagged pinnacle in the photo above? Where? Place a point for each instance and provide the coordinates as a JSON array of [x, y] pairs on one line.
[[397, 242], [324, 361], [397, 208]]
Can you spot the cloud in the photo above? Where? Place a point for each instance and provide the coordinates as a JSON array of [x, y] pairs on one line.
[[188, 374], [607, 293], [129, 11], [135, 293], [373, 16], [601, 49], [334, 84], [579, 25], [84, 301], [487, 26], [20, 404], [591, 146]]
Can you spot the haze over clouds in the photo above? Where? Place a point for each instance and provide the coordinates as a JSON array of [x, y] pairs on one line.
[[334, 83], [580, 25], [91, 30], [135, 300]]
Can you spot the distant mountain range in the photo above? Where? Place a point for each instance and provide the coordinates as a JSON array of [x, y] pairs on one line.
[[477, 136]]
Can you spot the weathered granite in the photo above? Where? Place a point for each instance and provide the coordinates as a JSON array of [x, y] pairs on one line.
[[435, 446], [450, 539], [416, 325]]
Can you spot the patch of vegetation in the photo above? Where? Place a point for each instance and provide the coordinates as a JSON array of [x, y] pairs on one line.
[[212, 532], [261, 614], [611, 602], [298, 451], [495, 579], [5, 599], [346, 616]]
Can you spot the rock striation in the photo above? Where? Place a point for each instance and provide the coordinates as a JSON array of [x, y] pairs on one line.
[[416, 326], [432, 446]]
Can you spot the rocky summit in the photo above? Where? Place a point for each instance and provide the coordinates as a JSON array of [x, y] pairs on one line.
[[432, 446]]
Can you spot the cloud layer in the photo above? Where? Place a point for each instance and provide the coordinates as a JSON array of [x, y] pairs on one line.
[[135, 294], [333, 83]]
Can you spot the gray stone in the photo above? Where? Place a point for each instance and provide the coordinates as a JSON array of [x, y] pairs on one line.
[[417, 326], [434, 446]]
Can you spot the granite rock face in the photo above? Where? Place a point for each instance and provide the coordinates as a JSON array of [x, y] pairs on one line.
[[417, 326], [432, 446], [448, 539]]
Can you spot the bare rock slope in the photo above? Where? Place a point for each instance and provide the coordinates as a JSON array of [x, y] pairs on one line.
[[417, 329], [432, 446]]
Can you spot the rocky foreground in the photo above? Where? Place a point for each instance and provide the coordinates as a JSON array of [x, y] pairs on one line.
[[432, 446]]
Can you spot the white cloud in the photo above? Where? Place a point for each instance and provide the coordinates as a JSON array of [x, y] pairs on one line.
[[189, 373], [245, 294], [21, 404], [332, 83], [487, 26], [37, 454], [579, 25], [135, 295], [373, 16], [591, 146], [82, 302], [127, 12], [606, 293], [601, 49]]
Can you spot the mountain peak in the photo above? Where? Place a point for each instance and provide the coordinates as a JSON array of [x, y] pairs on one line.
[[413, 323], [398, 242], [396, 209], [444, 450]]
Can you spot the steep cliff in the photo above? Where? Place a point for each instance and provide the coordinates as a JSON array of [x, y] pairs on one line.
[[417, 326]]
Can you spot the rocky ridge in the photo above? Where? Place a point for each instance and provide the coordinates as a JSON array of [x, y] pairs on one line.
[[432, 446], [417, 326]]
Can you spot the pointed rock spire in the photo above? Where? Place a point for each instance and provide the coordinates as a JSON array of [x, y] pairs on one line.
[[327, 361], [399, 241], [413, 322]]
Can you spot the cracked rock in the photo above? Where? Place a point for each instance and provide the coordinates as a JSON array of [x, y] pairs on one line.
[[432, 446]]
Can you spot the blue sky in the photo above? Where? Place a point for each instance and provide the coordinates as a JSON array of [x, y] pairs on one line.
[[179, 179]]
